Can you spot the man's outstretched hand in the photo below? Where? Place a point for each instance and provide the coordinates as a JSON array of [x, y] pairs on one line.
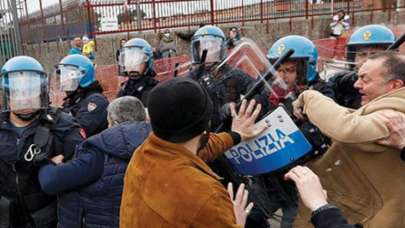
[[243, 122]]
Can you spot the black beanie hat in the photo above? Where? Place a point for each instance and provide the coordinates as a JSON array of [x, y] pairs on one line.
[[179, 109]]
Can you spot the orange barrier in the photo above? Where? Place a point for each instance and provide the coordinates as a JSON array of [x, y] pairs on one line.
[[166, 68]]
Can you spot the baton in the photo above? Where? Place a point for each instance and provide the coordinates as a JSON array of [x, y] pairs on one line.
[[397, 43], [259, 85]]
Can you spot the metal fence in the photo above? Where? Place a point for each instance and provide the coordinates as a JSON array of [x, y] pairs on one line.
[[64, 20], [69, 18], [140, 15], [10, 40]]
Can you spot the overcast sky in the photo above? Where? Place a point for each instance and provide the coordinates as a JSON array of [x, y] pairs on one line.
[[33, 5]]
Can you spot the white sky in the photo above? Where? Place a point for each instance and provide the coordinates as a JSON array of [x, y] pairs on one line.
[[33, 5]]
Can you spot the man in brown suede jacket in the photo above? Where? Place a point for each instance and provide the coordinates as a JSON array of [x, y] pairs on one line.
[[362, 177], [168, 183]]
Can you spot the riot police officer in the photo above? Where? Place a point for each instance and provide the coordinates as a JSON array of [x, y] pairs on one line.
[[136, 62], [298, 73], [363, 42], [31, 133], [84, 99], [224, 85]]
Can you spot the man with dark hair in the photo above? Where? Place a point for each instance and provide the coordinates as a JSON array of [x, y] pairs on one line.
[[354, 169], [233, 37], [77, 46], [364, 42], [393, 63], [168, 183]]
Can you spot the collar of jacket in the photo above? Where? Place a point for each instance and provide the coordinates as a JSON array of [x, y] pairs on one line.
[[391, 100], [176, 149], [81, 93]]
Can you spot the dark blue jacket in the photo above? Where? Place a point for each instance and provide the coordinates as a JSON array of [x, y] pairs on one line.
[[19, 177], [90, 186], [89, 107], [139, 87]]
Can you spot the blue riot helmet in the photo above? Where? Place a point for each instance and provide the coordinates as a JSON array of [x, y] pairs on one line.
[[211, 39], [75, 71], [134, 54], [377, 36], [372, 35], [24, 85], [305, 55]]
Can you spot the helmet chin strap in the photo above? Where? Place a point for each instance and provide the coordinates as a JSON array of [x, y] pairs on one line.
[[28, 116]]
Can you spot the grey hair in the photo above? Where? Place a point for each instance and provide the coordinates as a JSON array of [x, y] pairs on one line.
[[126, 109]]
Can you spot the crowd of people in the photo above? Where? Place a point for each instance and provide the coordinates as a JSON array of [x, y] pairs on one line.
[[155, 155]]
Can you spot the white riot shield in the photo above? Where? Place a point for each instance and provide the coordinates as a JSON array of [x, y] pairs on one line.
[[279, 146]]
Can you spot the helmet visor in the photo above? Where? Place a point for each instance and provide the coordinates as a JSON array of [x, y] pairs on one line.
[[70, 77], [25, 90], [132, 58], [213, 46]]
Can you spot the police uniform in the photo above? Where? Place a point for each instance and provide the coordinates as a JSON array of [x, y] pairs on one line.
[[270, 191], [138, 88], [345, 94], [89, 107], [228, 87], [23, 150], [84, 100], [22, 199], [136, 62]]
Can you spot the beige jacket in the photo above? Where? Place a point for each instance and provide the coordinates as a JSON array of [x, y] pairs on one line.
[[364, 179]]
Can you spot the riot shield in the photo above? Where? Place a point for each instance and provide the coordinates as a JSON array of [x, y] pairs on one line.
[[279, 146], [331, 67], [265, 159], [248, 60]]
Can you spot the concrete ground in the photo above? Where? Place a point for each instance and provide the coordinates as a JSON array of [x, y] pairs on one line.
[[275, 221]]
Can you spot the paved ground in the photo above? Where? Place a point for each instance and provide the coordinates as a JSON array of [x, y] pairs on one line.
[[275, 222]]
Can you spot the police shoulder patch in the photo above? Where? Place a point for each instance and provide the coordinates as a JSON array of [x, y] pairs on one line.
[[91, 106]]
